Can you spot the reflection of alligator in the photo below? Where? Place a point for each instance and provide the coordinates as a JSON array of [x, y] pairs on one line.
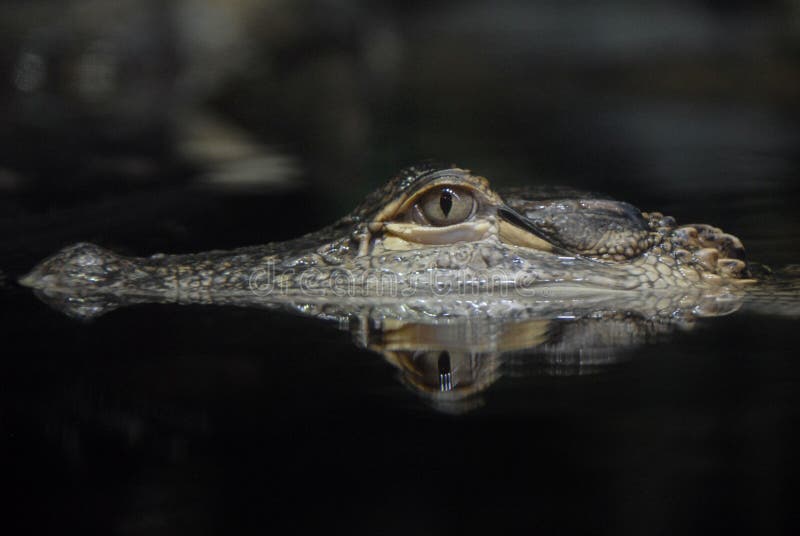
[[446, 278], [450, 362]]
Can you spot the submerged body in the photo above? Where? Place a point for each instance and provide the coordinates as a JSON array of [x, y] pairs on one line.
[[428, 232]]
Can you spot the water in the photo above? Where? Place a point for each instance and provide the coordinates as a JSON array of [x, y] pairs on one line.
[[174, 418], [168, 419]]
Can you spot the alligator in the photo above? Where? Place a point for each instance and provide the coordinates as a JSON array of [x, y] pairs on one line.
[[446, 278], [431, 232]]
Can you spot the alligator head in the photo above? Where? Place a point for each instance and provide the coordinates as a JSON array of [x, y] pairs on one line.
[[427, 232]]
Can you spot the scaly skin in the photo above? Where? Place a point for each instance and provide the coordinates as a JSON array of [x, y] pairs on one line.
[[522, 241]]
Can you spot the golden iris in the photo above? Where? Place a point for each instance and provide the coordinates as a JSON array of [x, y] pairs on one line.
[[444, 205]]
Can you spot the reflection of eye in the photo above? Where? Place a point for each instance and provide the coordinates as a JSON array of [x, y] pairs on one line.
[[445, 205]]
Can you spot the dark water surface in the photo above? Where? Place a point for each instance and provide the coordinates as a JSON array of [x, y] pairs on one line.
[[146, 128], [177, 419]]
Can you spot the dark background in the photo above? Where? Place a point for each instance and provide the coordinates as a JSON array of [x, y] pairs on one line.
[[177, 126]]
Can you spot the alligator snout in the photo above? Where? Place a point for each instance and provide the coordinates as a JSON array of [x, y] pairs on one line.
[[82, 266]]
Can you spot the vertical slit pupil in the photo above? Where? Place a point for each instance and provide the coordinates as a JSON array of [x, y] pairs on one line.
[[446, 202]]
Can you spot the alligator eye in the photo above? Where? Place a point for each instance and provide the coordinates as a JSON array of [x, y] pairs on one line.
[[445, 205]]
